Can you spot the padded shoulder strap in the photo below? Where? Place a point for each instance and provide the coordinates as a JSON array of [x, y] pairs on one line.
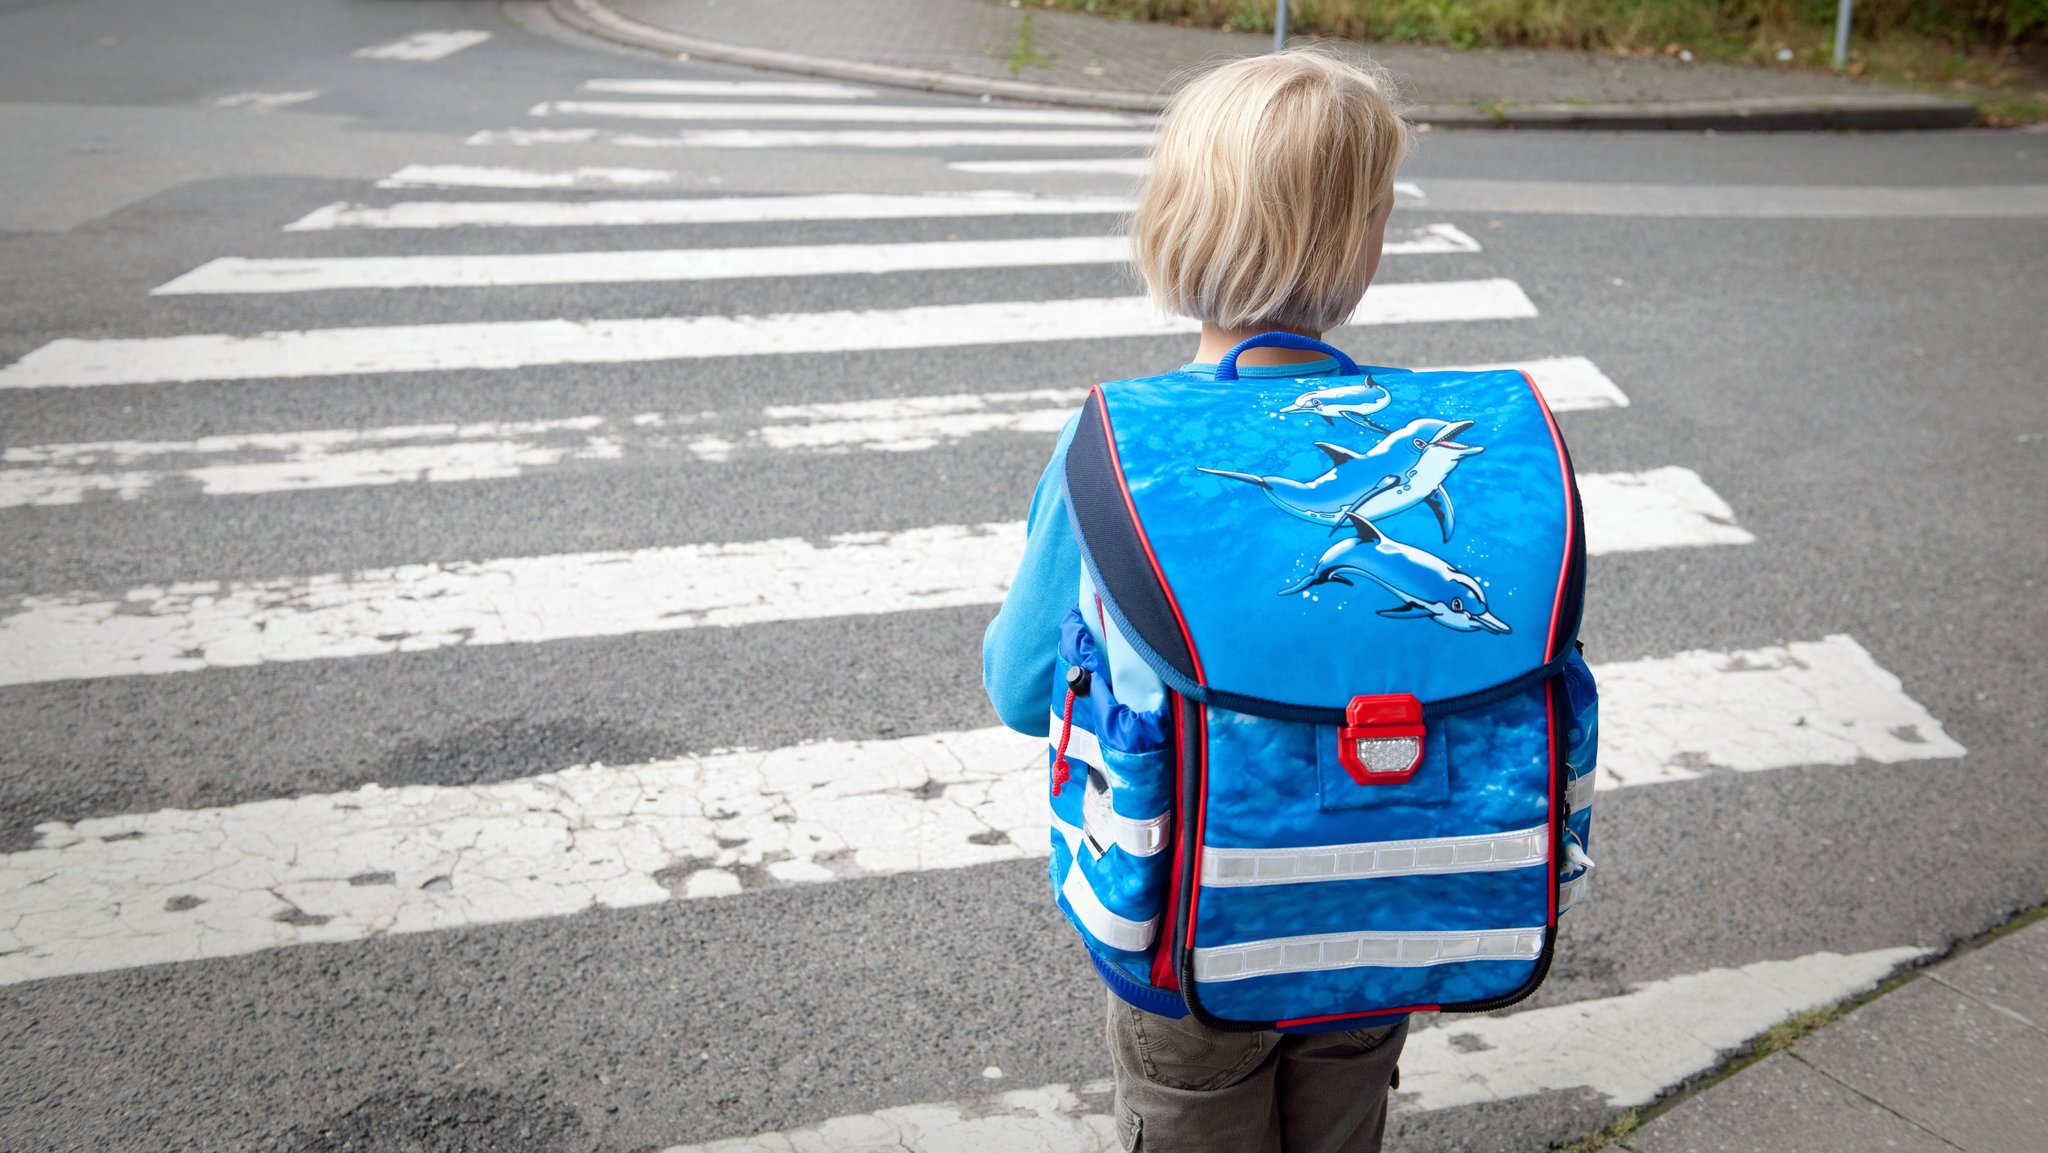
[[1118, 556]]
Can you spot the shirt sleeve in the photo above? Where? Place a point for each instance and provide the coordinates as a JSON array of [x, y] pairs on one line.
[[1018, 650]]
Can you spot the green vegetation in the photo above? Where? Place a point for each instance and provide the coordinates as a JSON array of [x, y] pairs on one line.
[[1028, 56], [1994, 52], [1605, 1135]]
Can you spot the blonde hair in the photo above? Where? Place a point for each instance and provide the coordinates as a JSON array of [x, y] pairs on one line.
[[1266, 176]]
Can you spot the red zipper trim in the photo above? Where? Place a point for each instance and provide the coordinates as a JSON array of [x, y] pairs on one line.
[[1564, 477], [1163, 973]]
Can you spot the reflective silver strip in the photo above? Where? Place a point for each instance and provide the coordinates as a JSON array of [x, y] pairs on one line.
[[1573, 891], [1354, 950], [1105, 926], [1105, 826], [1579, 794], [1484, 853], [1081, 744]]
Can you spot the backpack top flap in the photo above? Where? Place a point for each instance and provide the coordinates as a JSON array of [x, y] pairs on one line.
[[1282, 545]]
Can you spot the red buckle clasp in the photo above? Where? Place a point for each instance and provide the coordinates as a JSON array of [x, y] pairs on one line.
[[1381, 743]]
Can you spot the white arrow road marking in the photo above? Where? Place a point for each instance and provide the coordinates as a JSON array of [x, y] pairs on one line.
[[113, 892], [793, 89], [198, 625], [422, 47], [479, 176], [700, 210], [883, 138], [866, 113], [246, 463], [1628, 1049], [71, 363], [235, 274]]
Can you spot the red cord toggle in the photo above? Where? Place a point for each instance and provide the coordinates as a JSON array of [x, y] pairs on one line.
[[1060, 772]]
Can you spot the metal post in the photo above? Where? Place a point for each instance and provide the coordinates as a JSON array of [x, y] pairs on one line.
[[1842, 11], [1280, 25]]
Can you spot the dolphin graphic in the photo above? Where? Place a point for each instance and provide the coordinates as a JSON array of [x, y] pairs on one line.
[[1354, 402], [1427, 585], [1406, 468]]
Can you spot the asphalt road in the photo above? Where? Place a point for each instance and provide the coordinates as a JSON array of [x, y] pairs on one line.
[[1863, 391]]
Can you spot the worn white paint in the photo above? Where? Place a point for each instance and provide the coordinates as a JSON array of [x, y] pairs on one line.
[[822, 113], [236, 274], [1825, 702], [873, 138], [484, 176], [241, 464], [105, 892], [699, 210], [1632, 1047], [1661, 508], [518, 600], [1117, 166], [195, 625], [179, 885], [74, 363], [422, 47], [801, 90], [1628, 1049], [266, 101]]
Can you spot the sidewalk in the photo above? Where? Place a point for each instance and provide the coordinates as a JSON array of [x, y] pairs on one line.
[[1954, 1059], [984, 47]]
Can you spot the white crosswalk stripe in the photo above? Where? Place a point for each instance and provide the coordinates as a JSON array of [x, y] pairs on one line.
[[485, 176], [244, 464], [792, 89], [701, 210], [425, 47], [523, 600], [855, 113], [233, 274], [71, 363], [111, 892], [876, 138]]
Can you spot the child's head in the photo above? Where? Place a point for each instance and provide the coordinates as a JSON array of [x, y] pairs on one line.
[[1270, 184]]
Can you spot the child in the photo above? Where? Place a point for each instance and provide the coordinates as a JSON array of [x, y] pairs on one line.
[[1266, 209]]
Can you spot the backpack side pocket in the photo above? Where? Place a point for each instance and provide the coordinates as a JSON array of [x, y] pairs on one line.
[[1582, 749], [1110, 785]]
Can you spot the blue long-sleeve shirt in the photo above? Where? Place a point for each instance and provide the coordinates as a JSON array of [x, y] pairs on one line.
[[1018, 651]]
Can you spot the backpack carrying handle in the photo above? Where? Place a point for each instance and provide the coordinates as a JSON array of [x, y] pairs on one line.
[[1226, 369]]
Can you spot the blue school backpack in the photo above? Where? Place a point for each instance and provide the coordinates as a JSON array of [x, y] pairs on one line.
[[1366, 788]]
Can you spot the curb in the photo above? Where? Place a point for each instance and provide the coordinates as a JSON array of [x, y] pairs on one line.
[[601, 20], [1868, 112]]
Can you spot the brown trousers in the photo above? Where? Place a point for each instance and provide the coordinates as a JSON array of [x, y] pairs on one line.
[[1182, 1087]]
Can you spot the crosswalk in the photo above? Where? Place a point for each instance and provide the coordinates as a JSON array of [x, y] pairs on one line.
[[107, 891]]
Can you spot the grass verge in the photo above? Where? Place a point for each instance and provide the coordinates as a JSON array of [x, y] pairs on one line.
[[1993, 53]]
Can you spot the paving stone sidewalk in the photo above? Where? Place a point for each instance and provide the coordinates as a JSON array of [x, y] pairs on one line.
[[1954, 1060], [1069, 57]]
